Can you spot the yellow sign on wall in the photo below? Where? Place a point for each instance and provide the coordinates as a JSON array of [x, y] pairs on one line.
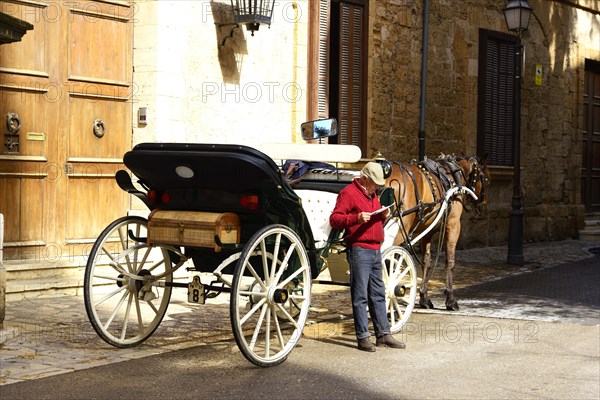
[[538, 74]]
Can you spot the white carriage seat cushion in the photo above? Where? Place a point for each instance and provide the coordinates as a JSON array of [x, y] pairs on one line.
[[318, 206]]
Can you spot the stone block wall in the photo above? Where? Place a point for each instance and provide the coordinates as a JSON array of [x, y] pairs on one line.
[[560, 37]]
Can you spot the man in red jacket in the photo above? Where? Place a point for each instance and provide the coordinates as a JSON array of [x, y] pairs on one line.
[[363, 235]]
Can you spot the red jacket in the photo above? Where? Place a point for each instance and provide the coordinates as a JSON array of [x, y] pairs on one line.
[[351, 201]]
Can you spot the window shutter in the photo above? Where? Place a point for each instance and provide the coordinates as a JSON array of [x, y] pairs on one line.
[[496, 98], [323, 60], [350, 72]]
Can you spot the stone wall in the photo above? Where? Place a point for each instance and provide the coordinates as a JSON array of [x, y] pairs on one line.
[[560, 38]]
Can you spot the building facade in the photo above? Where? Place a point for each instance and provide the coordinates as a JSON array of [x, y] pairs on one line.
[[94, 78]]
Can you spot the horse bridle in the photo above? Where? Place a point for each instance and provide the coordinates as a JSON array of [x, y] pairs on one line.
[[477, 174]]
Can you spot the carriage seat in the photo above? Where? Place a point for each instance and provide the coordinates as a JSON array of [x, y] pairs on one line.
[[318, 206], [335, 153], [323, 153]]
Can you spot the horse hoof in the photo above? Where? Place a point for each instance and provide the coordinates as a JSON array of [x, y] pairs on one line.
[[427, 304], [452, 306]]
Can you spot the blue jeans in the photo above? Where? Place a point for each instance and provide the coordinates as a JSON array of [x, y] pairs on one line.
[[367, 289]]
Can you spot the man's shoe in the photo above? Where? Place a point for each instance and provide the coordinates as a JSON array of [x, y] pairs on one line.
[[389, 341], [366, 345]]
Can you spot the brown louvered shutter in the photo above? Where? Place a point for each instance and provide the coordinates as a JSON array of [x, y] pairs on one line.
[[318, 59], [496, 97], [350, 72], [323, 60]]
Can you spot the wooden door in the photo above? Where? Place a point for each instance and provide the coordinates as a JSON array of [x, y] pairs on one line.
[[590, 174], [70, 74]]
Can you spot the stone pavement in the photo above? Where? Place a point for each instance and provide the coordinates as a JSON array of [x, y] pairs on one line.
[[44, 337]]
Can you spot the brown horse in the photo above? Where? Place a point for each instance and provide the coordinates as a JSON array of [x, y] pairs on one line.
[[420, 189]]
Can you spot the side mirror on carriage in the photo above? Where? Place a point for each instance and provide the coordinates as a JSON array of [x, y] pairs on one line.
[[318, 129]]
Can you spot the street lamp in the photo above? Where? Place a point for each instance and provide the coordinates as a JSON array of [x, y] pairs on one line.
[[253, 13], [517, 14]]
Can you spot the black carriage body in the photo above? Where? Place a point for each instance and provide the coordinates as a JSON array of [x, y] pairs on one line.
[[217, 177]]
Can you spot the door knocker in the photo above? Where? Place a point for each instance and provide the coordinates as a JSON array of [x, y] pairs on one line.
[[11, 138], [13, 122], [99, 128]]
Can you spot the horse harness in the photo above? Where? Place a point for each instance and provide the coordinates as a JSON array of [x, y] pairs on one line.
[[448, 173]]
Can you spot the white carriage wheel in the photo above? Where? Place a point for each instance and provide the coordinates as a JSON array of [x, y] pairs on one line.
[[124, 292], [270, 295], [400, 279]]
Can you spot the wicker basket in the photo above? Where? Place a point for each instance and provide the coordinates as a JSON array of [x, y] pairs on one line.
[[193, 228]]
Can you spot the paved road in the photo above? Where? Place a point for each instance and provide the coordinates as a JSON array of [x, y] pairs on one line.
[[448, 356], [565, 293], [528, 334]]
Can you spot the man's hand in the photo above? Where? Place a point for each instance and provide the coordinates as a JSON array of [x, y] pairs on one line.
[[364, 217]]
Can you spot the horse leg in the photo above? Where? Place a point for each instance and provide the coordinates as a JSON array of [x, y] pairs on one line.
[[424, 300], [452, 234]]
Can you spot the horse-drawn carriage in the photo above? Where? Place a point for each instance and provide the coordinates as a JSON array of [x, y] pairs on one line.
[[229, 212]]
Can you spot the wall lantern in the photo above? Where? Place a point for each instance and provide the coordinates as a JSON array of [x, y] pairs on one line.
[[517, 14], [252, 13]]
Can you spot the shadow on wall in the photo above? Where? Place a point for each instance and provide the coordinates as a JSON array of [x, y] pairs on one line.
[[231, 42]]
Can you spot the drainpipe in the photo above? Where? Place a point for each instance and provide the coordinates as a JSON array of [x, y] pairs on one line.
[[2, 274], [425, 42]]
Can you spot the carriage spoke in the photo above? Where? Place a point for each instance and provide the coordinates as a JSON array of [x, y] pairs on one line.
[[152, 306], [298, 297], [255, 275], [109, 296], [271, 277], [288, 316], [396, 306], [386, 276], [110, 278], [285, 262], [268, 333], [114, 263], [403, 274], [126, 318], [291, 277], [278, 328], [125, 245], [116, 309], [258, 326], [252, 311], [139, 314], [265, 264], [391, 311], [158, 264], [143, 261]]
